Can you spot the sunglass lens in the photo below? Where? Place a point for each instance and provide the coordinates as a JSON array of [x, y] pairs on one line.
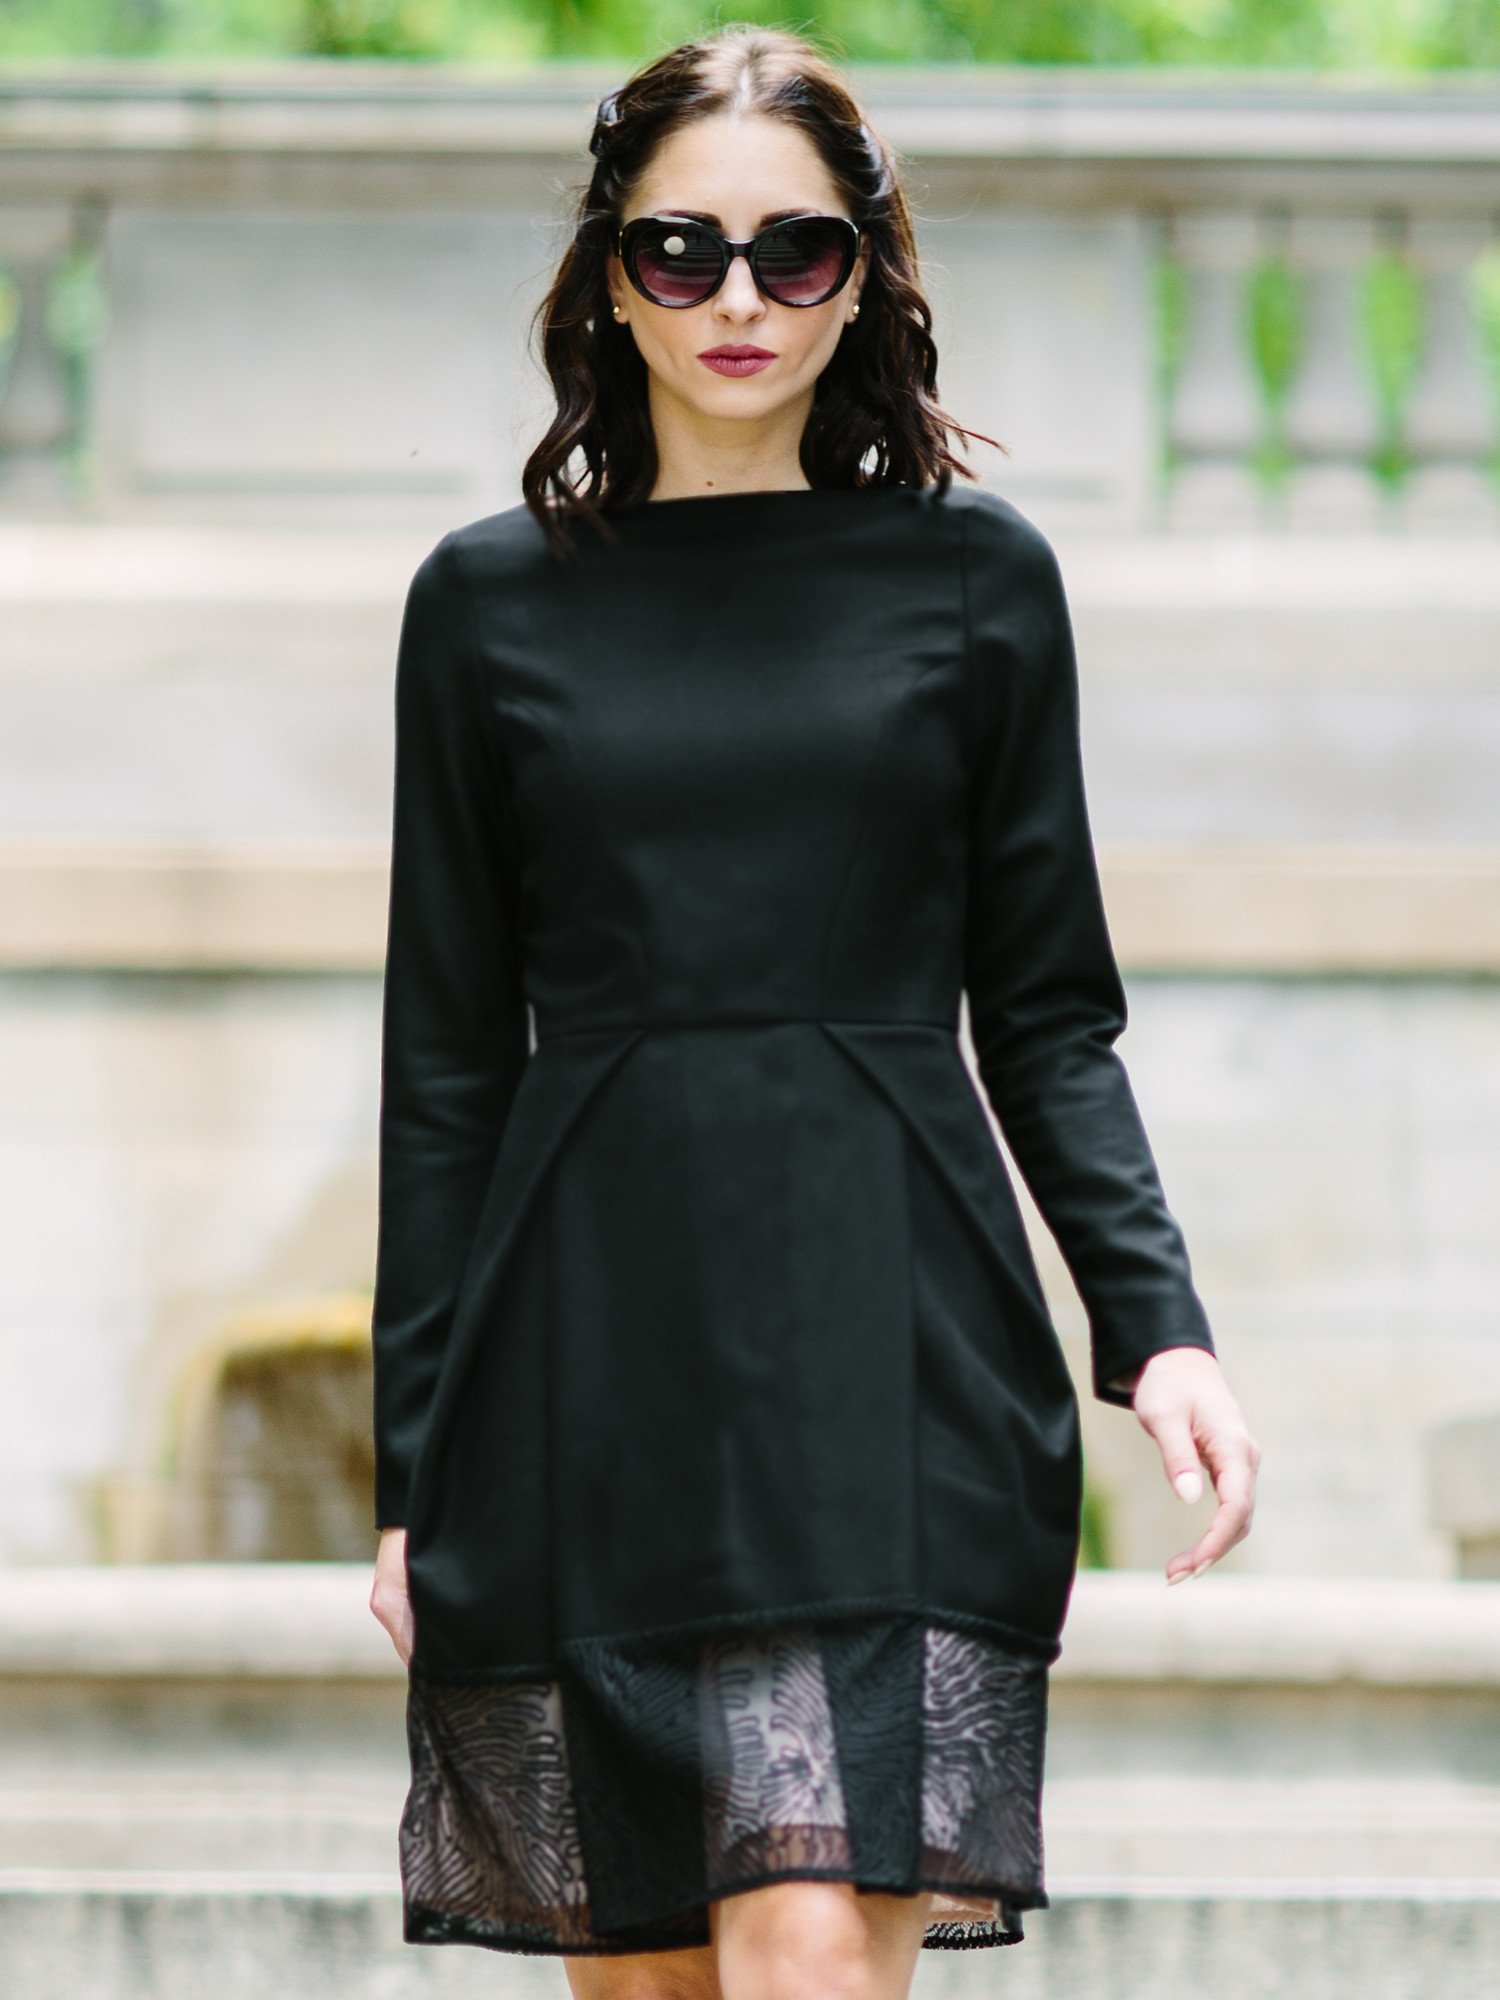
[[802, 262], [677, 262]]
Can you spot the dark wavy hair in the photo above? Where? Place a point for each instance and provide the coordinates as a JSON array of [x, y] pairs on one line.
[[875, 420]]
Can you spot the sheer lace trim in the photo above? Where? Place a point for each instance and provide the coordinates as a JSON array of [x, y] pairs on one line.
[[602, 1811]]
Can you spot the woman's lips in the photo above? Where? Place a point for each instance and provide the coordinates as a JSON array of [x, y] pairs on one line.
[[736, 360]]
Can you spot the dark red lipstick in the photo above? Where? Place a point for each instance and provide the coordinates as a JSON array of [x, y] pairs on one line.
[[736, 359]]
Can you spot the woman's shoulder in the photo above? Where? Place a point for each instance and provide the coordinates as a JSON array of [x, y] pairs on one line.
[[507, 545], [502, 546], [996, 530], [509, 548]]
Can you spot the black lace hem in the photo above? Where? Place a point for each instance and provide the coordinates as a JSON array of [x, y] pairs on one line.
[[427, 1926], [604, 1809]]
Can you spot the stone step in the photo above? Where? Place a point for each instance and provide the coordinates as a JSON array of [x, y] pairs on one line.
[[276, 1623], [201, 1828], [118, 1935], [248, 1719], [1221, 1829]]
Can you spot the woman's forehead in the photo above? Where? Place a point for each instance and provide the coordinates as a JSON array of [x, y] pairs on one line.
[[740, 171]]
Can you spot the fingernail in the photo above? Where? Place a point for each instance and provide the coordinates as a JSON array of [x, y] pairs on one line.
[[1178, 1575], [1189, 1485], [1203, 1566]]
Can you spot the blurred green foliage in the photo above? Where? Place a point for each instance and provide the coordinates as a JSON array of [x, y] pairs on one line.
[[1095, 1541], [1172, 299], [1347, 36], [1276, 329], [77, 308], [1395, 329], [1484, 297], [1379, 35]]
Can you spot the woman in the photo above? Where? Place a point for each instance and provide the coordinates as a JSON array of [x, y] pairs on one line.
[[728, 1464]]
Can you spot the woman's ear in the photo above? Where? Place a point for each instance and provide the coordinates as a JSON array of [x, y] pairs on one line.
[[614, 273], [861, 269]]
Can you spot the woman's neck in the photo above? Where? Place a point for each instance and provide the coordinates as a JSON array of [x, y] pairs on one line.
[[694, 457], [775, 480]]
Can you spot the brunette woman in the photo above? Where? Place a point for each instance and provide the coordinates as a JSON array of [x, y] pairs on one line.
[[729, 1465]]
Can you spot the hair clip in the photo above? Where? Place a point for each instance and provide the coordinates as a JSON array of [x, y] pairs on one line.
[[607, 115], [875, 154]]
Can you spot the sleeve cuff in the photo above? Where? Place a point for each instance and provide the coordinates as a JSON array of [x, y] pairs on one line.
[[1127, 1358]]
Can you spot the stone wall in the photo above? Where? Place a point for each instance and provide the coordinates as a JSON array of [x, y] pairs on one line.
[[269, 344]]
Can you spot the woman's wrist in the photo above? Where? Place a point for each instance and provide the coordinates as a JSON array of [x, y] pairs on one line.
[[1131, 1377]]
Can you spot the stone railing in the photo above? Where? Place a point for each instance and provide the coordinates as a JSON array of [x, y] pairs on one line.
[[52, 300], [1320, 367], [1178, 301]]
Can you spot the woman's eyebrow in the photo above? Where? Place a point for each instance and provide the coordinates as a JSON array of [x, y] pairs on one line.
[[700, 215]]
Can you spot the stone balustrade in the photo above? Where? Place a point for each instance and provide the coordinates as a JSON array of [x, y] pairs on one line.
[[1179, 301]]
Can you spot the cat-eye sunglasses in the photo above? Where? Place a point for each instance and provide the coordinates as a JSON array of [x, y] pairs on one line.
[[674, 261]]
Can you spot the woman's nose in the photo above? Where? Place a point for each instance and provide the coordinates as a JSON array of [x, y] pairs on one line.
[[738, 294]]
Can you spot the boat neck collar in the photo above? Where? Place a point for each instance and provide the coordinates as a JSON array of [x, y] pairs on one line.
[[691, 506]]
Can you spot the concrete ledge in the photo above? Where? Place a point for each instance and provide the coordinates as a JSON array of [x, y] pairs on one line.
[[281, 107], [317, 1887], [316, 908], [1131, 1625], [299, 1620], [1210, 906], [132, 565], [1463, 1472], [1312, 1938], [1224, 906], [247, 1620], [205, 1769]]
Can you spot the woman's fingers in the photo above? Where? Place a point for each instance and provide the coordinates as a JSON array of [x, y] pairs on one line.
[[1183, 1400], [1173, 1430], [389, 1598], [403, 1633], [1234, 1482], [392, 1607]]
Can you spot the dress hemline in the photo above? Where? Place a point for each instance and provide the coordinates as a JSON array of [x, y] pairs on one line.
[[900, 1756], [422, 1924]]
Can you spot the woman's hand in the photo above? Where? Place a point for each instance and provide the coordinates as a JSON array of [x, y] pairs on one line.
[[1183, 1400], [388, 1595]]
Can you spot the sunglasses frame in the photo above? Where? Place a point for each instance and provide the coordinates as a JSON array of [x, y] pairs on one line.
[[629, 233]]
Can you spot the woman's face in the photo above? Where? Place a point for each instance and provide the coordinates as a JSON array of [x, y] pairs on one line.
[[736, 172]]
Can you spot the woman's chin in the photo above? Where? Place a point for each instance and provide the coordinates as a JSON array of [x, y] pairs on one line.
[[756, 396]]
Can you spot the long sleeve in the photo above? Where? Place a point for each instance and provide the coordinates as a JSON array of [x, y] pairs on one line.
[[454, 1035], [1046, 1000]]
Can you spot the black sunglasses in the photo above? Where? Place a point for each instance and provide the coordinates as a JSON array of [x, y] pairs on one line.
[[799, 262]]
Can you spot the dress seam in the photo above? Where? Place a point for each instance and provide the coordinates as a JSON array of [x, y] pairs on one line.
[[586, 815], [971, 709], [878, 754], [502, 814], [645, 1021], [494, 749]]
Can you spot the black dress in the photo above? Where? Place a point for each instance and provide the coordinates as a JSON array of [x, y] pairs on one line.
[[714, 1379]]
